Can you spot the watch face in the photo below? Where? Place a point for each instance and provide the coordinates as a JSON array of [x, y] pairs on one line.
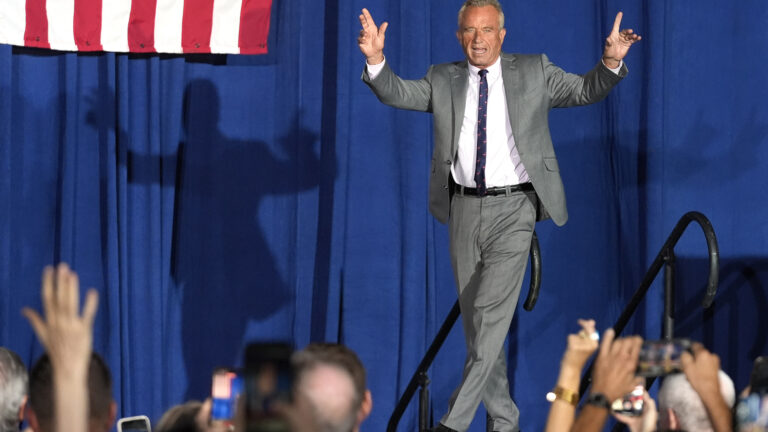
[[599, 399]]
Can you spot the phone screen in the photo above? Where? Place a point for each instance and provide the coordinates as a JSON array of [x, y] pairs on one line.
[[226, 388], [662, 357], [134, 424], [631, 404]]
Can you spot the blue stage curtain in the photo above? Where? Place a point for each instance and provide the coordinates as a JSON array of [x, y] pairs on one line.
[[216, 200]]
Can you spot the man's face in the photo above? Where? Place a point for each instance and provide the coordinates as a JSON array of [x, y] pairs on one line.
[[480, 35]]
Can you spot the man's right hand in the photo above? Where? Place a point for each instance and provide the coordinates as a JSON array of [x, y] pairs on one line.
[[371, 39], [614, 371]]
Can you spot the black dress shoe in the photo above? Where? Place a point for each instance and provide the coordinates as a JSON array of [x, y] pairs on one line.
[[443, 428]]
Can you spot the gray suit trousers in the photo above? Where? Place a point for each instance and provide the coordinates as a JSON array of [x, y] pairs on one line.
[[490, 239]]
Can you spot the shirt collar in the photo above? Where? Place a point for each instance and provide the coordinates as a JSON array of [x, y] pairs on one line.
[[494, 70]]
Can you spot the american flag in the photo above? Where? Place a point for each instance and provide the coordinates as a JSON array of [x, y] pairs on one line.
[[139, 26]]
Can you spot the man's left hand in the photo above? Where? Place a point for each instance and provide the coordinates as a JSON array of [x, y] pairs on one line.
[[617, 43]]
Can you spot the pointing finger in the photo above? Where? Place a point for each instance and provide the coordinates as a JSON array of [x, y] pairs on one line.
[[617, 22], [605, 347], [368, 19]]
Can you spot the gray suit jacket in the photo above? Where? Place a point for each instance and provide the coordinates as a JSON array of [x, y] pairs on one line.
[[532, 84]]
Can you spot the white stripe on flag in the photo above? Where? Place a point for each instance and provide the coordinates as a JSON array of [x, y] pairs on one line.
[[225, 31], [61, 24], [114, 24], [13, 20], [169, 16]]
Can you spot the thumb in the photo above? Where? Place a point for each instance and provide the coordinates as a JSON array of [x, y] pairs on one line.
[[383, 28], [37, 325], [605, 346]]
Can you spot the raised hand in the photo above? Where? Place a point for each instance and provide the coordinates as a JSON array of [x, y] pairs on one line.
[[702, 369], [614, 372], [65, 334], [581, 346], [617, 43], [371, 39], [68, 338]]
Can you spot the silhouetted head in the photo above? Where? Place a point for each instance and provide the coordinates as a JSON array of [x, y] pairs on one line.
[[180, 418], [201, 106]]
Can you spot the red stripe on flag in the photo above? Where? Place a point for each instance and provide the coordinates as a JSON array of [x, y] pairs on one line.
[[254, 26], [87, 25], [141, 26], [196, 26], [36, 29]]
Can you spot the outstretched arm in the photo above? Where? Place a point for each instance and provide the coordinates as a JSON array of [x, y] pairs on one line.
[[388, 87], [580, 348], [613, 376], [617, 43], [371, 39], [702, 369], [68, 337]]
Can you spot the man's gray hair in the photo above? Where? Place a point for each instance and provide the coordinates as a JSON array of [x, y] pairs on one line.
[[676, 393], [481, 3], [13, 389]]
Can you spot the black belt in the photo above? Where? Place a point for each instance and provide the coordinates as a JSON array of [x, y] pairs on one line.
[[494, 191]]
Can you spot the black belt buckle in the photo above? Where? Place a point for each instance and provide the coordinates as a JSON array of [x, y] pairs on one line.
[[494, 191]]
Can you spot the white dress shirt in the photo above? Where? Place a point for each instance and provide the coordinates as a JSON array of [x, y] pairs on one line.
[[502, 162]]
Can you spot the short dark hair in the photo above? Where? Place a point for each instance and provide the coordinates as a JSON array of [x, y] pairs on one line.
[[41, 390], [180, 418], [13, 388]]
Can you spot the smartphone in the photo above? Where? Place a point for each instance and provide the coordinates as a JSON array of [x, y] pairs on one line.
[[631, 404], [758, 381], [134, 424], [662, 357], [268, 379], [226, 387]]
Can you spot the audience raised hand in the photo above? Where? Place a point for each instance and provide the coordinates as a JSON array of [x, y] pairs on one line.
[[565, 395], [702, 369], [67, 337], [613, 376]]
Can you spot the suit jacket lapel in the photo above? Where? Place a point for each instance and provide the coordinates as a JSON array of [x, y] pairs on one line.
[[459, 100], [511, 76]]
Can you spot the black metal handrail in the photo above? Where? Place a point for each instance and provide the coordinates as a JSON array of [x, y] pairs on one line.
[[420, 377], [666, 258]]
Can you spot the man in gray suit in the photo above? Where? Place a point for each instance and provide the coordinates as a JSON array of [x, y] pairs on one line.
[[493, 175]]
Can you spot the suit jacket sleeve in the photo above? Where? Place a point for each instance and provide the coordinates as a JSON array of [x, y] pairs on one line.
[[567, 89], [415, 95]]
